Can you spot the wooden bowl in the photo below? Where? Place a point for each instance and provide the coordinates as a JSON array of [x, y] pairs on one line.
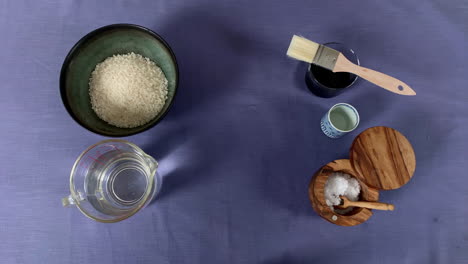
[[317, 196]]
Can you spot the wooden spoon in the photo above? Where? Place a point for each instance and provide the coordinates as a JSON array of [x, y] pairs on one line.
[[345, 203]]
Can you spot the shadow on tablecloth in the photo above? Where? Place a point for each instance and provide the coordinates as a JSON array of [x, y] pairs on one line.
[[211, 54]]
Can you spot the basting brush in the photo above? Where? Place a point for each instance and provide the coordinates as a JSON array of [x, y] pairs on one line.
[[305, 50]]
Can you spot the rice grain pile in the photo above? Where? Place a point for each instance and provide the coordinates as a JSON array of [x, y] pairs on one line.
[[127, 90]]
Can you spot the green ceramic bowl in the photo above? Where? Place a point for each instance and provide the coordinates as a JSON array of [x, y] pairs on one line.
[[94, 48]]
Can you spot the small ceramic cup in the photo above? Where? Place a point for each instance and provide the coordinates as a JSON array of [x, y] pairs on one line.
[[342, 118]]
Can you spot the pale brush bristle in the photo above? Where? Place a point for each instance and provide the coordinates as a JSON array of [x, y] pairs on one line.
[[302, 49]]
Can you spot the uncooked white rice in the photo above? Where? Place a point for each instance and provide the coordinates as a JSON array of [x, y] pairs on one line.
[[127, 90]]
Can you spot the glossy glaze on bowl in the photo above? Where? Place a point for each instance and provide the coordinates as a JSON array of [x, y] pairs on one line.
[[94, 48]]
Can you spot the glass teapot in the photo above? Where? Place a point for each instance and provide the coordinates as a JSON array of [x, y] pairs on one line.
[[112, 180]]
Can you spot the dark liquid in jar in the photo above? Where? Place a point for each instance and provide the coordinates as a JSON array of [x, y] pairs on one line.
[[332, 79]]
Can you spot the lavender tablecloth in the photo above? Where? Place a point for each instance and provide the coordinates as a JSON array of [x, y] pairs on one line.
[[242, 141]]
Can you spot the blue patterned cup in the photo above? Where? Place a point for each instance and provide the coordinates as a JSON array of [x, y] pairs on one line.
[[340, 119]]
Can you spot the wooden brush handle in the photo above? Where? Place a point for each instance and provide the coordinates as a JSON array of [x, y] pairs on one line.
[[373, 205], [385, 81]]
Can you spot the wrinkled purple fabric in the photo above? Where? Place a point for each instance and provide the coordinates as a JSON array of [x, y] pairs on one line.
[[240, 145]]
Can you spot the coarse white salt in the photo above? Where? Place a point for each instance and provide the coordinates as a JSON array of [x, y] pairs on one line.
[[341, 184], [127, 90]]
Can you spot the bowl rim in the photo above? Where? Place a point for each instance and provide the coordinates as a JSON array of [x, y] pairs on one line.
[[93, 33]]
